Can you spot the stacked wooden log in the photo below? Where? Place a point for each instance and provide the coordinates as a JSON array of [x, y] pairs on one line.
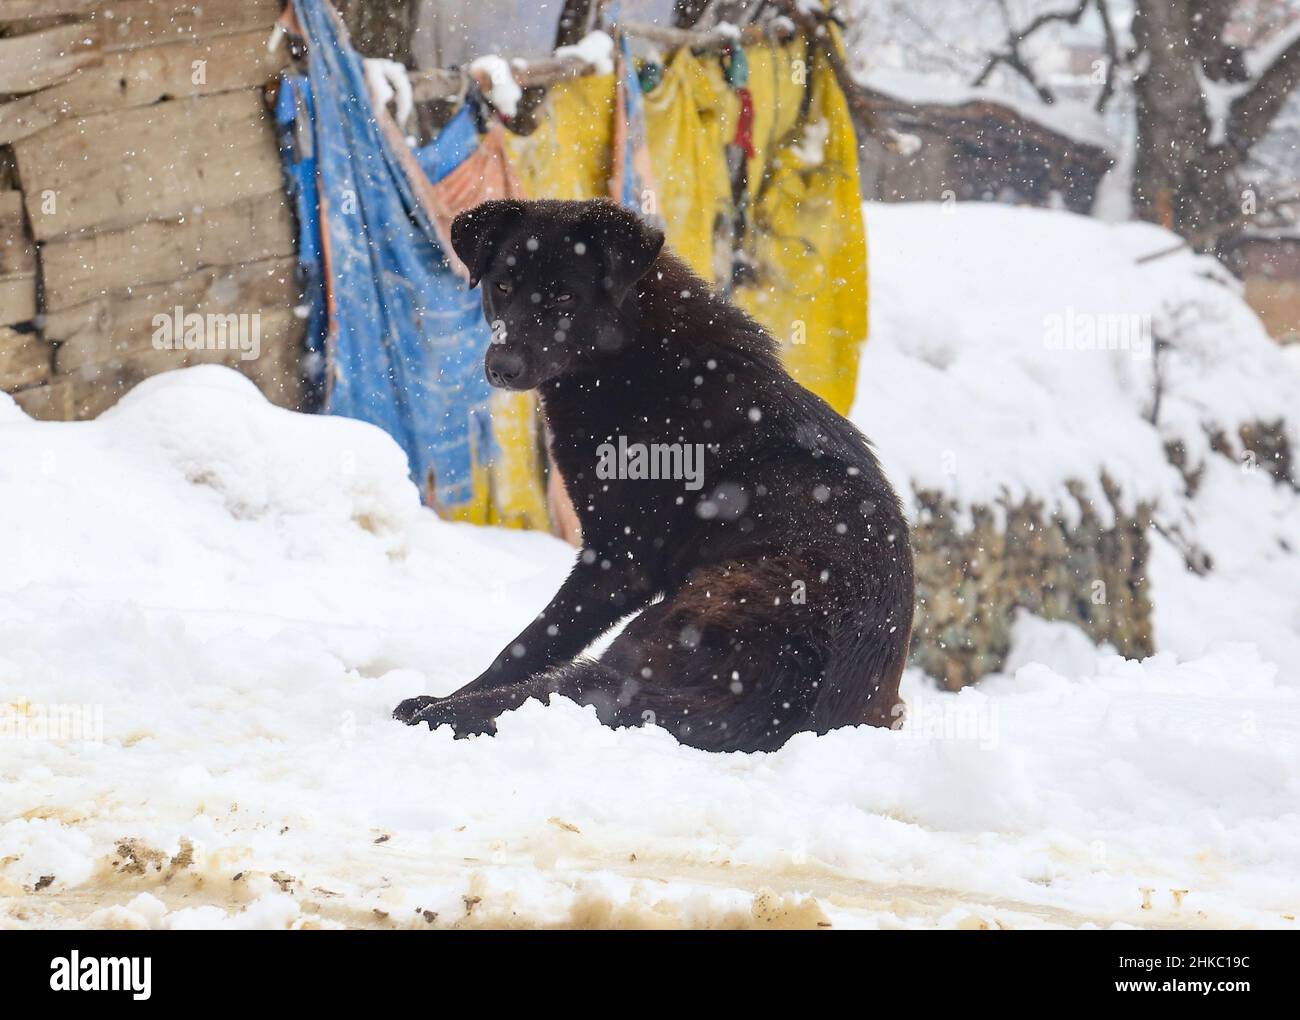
[[139, 175]]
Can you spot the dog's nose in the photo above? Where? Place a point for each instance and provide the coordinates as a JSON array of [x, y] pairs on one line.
[[504, 367]]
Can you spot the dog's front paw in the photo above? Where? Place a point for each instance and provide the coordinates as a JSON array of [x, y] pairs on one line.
[[435, 712], [409, 710]]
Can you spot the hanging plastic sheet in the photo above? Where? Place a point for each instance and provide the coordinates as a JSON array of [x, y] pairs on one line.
[[804, 251], [685, 116], [799, 263], [294, 118], [513, 494], [570, 154], [456, 142], [631, 180], [404, 337]]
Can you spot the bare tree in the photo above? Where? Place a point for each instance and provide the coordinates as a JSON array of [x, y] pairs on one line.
[[1206, 81], [1012, 54], [1203, 104]]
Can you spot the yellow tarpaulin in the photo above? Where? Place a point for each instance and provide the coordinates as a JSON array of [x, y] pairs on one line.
[[804, 243], [806, 237], [685, 130], [569, 155]]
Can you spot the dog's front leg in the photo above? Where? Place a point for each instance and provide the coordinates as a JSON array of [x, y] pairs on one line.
[[470, 712], [598, 592]]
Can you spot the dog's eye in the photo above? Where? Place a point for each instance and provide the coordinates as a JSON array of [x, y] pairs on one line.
[[503, 287], [563, 299]]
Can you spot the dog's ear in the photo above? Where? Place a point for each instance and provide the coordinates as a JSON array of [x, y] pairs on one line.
[[476, 233], [628, 245]]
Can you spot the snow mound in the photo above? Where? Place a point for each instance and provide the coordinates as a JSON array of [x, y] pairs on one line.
[[1016, 349]]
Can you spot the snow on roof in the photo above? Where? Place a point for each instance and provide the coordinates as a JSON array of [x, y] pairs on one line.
[[1069, 118]]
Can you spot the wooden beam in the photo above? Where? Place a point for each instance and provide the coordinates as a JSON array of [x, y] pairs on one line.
[[20, 10], [17, 263], [120, 324], [80, 269], [25, 359], [39, 59], [11, 207], [161, 162], [445, 83], [134, 346], [17, 253], [135, 23], [96, 387], [140, 77], [50, 401], [105, 347], [17, 298]]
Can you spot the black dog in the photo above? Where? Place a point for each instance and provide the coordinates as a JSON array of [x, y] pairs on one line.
[[702, 475]]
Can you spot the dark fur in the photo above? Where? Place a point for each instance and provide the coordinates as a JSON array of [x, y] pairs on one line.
[[727, 660]]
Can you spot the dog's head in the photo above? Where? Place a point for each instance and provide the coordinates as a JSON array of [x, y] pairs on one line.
[[556, 277]]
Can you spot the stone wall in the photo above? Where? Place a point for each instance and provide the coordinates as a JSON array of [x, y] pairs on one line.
[[975, 567], [971, 580]]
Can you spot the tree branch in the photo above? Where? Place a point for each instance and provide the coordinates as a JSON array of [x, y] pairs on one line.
[[1014, 61], [575, 17], [1071, 17], [1012, 56], [1209, 19], [1251, 113], [1111, 47]]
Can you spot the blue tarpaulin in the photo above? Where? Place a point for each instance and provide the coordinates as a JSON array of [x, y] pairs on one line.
[[401, 338], [455, 143]]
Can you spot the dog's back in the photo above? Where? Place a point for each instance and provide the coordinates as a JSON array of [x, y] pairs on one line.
[[787, 578]]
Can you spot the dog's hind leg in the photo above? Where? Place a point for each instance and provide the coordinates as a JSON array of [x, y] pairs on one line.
[[711, 685]]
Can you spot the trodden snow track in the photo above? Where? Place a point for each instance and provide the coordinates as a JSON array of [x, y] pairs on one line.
[[573, 888]]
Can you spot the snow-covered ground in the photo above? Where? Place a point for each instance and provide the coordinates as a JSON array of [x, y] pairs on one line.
[[217, 603]]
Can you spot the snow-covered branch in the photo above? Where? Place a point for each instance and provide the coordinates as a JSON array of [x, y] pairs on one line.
[[1274, 75], [1012, 56]]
